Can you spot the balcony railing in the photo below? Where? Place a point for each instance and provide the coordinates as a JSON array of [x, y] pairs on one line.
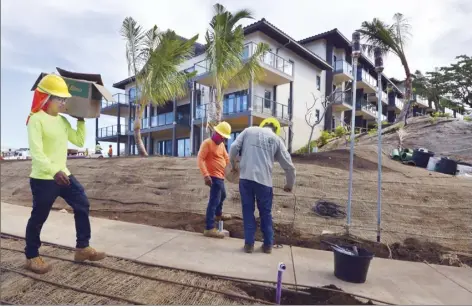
[[269, 58], [112, 131], [156, 121], [363, 75], [342, 98], [270, 107], [235, 106], [367, 107], [384, 95], [342, 66], [117, 98], [183, 118]]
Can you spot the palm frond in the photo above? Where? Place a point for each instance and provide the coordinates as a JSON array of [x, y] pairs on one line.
[[134, 37], [161, 77], [378, 34], [251, 68]]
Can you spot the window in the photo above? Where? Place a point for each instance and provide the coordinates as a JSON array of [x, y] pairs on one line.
[[317, 115], [235, 102], [230, 141], [318, 83], [267, 99], [164, 148], [183, 147], [132, 94]]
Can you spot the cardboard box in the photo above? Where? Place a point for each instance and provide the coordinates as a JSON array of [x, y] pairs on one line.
[[87, 92]]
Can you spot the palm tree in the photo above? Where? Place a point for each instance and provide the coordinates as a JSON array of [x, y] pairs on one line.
[[391, 39], [153, 58], [224, 50]]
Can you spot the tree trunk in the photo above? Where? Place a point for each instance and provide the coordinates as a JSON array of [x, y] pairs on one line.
[[137, 132], [406, 108], [309, 140]]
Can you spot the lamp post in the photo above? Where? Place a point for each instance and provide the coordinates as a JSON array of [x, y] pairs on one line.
[[356, 53], [379, 69]]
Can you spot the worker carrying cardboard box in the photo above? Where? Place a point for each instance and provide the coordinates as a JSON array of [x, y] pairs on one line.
[[212, 160], [259, 147], [48, 136]]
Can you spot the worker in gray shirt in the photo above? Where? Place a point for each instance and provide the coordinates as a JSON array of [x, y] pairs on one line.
[[259, 147]]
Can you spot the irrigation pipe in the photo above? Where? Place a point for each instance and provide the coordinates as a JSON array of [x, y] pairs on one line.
[[246, 280], [99, 265], [72, 287]]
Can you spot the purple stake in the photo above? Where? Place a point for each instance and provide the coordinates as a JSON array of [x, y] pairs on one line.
[[278, 292]]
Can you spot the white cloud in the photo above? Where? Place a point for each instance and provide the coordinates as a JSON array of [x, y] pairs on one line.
[[83, 35]]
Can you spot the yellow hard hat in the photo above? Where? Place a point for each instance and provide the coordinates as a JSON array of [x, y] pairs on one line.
[[273, 121], [54, 85], [223, 129]]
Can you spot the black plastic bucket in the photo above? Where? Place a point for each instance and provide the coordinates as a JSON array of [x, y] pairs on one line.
[[447, 166], [421, 158], [352, 268]]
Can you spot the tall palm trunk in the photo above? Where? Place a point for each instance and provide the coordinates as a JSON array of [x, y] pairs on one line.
[[137, 131], [408, 98]]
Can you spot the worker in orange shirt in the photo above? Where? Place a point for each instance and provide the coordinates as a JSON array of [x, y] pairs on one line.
[[212, 161], [110, 151]]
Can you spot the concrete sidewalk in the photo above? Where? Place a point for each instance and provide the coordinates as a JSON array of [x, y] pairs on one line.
[[399, 282]]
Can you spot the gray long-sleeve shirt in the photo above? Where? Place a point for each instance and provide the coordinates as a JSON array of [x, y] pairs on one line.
[[259, 148]]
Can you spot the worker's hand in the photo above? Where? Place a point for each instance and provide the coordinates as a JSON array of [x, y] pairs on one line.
[[234, 170], [287, 189], [207, 181], [62, 179]]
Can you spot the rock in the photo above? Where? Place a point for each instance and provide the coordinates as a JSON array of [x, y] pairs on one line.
[[63, 211]]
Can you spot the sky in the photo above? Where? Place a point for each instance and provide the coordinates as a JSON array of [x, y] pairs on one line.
[[83, 36]]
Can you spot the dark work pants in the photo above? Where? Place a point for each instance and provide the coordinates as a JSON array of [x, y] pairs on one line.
[[215, 203], [251, 192], [45, 192]]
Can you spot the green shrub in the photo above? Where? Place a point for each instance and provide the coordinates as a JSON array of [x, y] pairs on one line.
[[324, 138], [340, 131], [372, 132], [468, 119]]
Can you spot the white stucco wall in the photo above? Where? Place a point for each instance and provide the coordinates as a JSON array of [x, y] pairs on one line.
[[318, 47]]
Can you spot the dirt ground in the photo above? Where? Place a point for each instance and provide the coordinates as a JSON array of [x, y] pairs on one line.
[[445, 137], [431, 211], [69, 283]]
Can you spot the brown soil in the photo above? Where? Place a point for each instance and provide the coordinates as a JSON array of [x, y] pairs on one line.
[[305, 297], [21, 290], [445, 137], [417, 206]]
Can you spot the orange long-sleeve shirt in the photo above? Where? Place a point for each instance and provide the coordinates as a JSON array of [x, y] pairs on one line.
[[212, 159]]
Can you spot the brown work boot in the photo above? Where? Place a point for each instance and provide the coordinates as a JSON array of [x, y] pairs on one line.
[[88, 253], [267, 249], [223, 217], [214, 233], [37, 265], [248, 248]]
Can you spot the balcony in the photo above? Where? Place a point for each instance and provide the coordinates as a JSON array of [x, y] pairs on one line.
[[232, 107], [342, 101], [270, 108], [397, 103], [365, 81], [111, 107], [373, 97], [366, 110], [422, 103], [342, 72], [112, 131], [277, 70]]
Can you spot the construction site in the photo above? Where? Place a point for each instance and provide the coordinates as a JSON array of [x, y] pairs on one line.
[[425, 218]]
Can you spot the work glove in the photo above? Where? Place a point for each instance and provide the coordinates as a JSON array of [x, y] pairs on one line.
[[287, 189]]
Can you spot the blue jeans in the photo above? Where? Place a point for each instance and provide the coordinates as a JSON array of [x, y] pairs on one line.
[[251, 192], [45, 193], [215, 203]]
